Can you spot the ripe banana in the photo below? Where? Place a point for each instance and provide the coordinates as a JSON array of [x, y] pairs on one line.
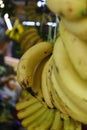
[[27, 40], [69, 9], [48, 121], [38, 121], [77, 27], [32, 118], [45, 89], [25, 103], [36, 87], [29, 61], [73, 83], [36, 39], [76, 49], [72, 110], [57, 123], [69, 124], [30, 110]]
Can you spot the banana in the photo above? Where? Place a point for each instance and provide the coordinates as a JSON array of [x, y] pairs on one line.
[[32, 118], [57, 123], [72, 110], [47, 123], [27, 32], [69, 124], [69, 9], [56, 100], [28, 39], [30, 110], [29, 61], [77, 27], [71, 79], [36, 87], [38, 121], [73, 83], [26, 103], [76, 49], [45, 89], [31, 42]]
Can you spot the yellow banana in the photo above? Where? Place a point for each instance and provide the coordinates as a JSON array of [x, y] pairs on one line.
[[73, 83], [27, 32], [45, 89], [47, 123], [38, 121], [77, 27], [29, 61], [67, 8], [32, 118], [76, 49], [34, 40], [57, 123], [30, 110], [36, 87], [28, 39]]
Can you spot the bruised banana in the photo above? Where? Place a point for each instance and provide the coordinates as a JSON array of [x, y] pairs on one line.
[[73, 83], [45, 89], [36, 87], [77, 27], [70, 9], [29, 61], [76, 49]]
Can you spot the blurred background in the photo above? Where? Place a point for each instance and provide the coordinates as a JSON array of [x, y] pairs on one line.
[[23, 23]]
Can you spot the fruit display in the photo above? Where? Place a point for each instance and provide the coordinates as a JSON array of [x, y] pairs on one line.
[[55, 75]]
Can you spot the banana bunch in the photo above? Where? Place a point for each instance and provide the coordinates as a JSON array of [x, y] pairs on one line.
[[29, 38], [35, 115], [69, 74], [16, 31]]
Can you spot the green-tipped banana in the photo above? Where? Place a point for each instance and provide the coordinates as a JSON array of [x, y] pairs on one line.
[[57, 123], [29, 61], [26, 103], [38, 121], [29, 110], [46, 125], [32, 118]]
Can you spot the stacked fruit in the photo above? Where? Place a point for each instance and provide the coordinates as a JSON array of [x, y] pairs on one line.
[[69, 57], [55, 76]]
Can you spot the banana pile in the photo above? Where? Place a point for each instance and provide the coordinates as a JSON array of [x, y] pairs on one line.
[[55, 75], [29, 38]]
